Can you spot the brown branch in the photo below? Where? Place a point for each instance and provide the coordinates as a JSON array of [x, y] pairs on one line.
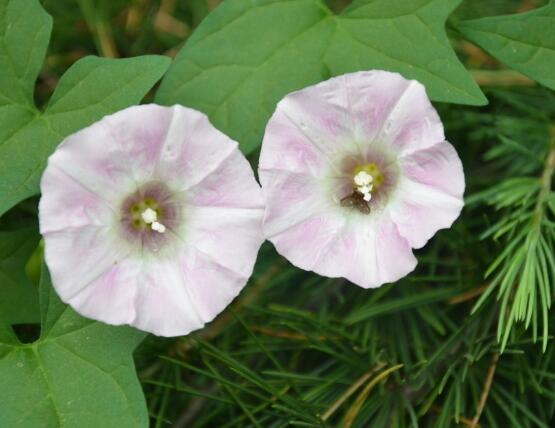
[[501, 78], [465, 421], [468, 295], [546, 178], [284, 334], [486, 390], [166, 22]]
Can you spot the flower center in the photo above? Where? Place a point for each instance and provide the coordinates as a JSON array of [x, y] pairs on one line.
[[372, 170], [144, 215], [367, 179], [148, 213]]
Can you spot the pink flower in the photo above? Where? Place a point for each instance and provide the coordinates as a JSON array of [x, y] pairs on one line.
[[356, 172], [151, 217]]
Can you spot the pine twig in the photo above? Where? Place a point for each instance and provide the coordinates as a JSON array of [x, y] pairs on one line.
[[486, 390], [353, 411], [352, 389], [468, 295], [461, 420]]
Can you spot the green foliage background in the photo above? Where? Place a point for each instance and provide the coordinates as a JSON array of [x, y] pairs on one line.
[[466, 340]]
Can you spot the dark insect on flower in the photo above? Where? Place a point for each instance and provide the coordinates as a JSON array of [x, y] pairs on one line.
[[356, 201]]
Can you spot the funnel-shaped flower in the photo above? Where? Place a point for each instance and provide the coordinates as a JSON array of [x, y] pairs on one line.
[[356, 172], [151, 217]]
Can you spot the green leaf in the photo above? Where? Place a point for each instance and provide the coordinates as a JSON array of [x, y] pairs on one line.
[[80, 373], [18, 296], [91, 88], [524, 41], [247, 54]]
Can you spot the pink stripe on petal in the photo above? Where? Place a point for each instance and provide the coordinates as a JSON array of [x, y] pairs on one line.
[[192, 150], [291, 198], [110, 297], [438, 166], [76, 257], [430, 194], [211, 286], [164, 306], [231, 185], [68, 204], [231, 236]]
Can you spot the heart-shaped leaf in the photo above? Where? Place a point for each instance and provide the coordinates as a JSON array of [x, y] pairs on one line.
[[80, 373], [91, 89], [249, 53], [524, 41]]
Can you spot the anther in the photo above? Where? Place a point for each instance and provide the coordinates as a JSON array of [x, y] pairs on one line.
[[150, 217], [363, 184]]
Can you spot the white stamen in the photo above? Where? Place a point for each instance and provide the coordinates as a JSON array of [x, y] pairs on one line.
[[158, 227], [365, 189], [362, 178], [150, 217]]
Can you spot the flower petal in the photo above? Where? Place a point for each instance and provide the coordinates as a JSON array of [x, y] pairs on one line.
[[77, 257], [210, 285], [164, 305], [230, 185], [411, 122], [67, 204], [292, 198], [368, 252], [232, 236], [193, 149], [312, 129], [430, 193], [117, 152], [314, 233], [139, 133]]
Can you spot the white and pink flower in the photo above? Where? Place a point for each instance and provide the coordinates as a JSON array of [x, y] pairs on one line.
[[151, 217], [356, 173]]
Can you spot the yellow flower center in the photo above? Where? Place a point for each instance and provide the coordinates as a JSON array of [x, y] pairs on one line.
[[371, 169], [145, 214]]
